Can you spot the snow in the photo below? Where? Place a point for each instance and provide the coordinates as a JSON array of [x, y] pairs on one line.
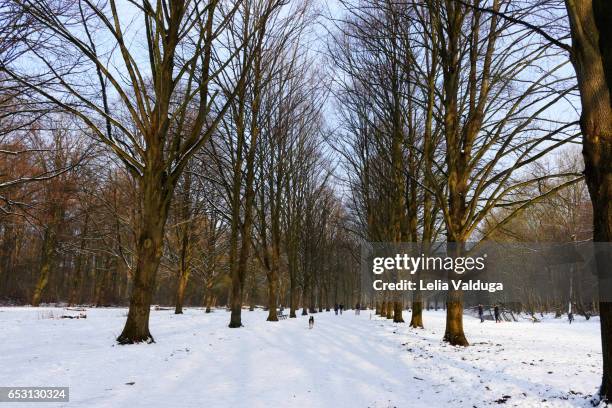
[[345, 361]]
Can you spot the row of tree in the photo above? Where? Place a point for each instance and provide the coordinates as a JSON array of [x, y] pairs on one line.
[[190, 170], [447, 109], [151, 143]]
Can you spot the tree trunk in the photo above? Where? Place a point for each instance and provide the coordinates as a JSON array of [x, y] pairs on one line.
[[591, 31], [454, 319], [239, 271], [156, 193], [149, 253], [272, 281], [236, 302], [47, 259], [313, 306], [598, 174], [416, 320], [180, 290], [305, 296], [397, 312], [105, 283], [78, 273], [292, 295], [389, 311], [208, 296], [7, 255], [238, 278], [185, 250]]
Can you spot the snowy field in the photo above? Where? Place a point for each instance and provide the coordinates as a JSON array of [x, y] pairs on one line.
[[345, 361]]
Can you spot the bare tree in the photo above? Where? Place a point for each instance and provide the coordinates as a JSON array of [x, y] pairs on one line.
[[137, 107], [591, 56]]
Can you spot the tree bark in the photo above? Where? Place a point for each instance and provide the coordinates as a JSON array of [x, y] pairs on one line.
[[292, 295], [305, 296], [272, 281], [591, 30], [185, 242], [48, 253], [397, 312], [454, 319], [180, 290], [7, 256], [208, 296], [389, 311], [78, 273], [239, 274], [416, 320], [48, 249], [155, 192]]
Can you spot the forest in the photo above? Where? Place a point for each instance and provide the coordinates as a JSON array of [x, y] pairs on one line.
[[239, 155]]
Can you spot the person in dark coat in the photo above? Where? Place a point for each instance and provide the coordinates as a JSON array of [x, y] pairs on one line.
[[481, 313], [496, 313], [336, 308]]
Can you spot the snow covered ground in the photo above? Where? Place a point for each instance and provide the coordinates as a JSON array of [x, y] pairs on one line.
[[345, 361]]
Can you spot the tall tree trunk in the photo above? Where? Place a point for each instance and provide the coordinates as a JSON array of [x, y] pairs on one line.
[[239, 275], [322, 301], [47, 259], [77, 277], [103, 289], [389, 311], [598, 174], [185, 237], [4, 257], [238, 280], [180, 290], [156, 192], [313, 306], [397, 312], [184, 270], [272, 283], [454, 319], [292, 295], [591, 30], [208, 296], [252, 295], [305, 299], [416, 320], [235, 291], [7, 256]]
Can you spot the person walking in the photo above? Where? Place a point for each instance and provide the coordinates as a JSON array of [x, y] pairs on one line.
[[357, 309], [341, 307], [496, 313], [481, 313], [336, 309]]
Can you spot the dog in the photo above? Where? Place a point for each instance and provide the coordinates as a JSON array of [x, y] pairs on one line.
[[311, 322]]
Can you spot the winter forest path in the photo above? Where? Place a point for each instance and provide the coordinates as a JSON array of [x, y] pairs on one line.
[[345, 361]]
